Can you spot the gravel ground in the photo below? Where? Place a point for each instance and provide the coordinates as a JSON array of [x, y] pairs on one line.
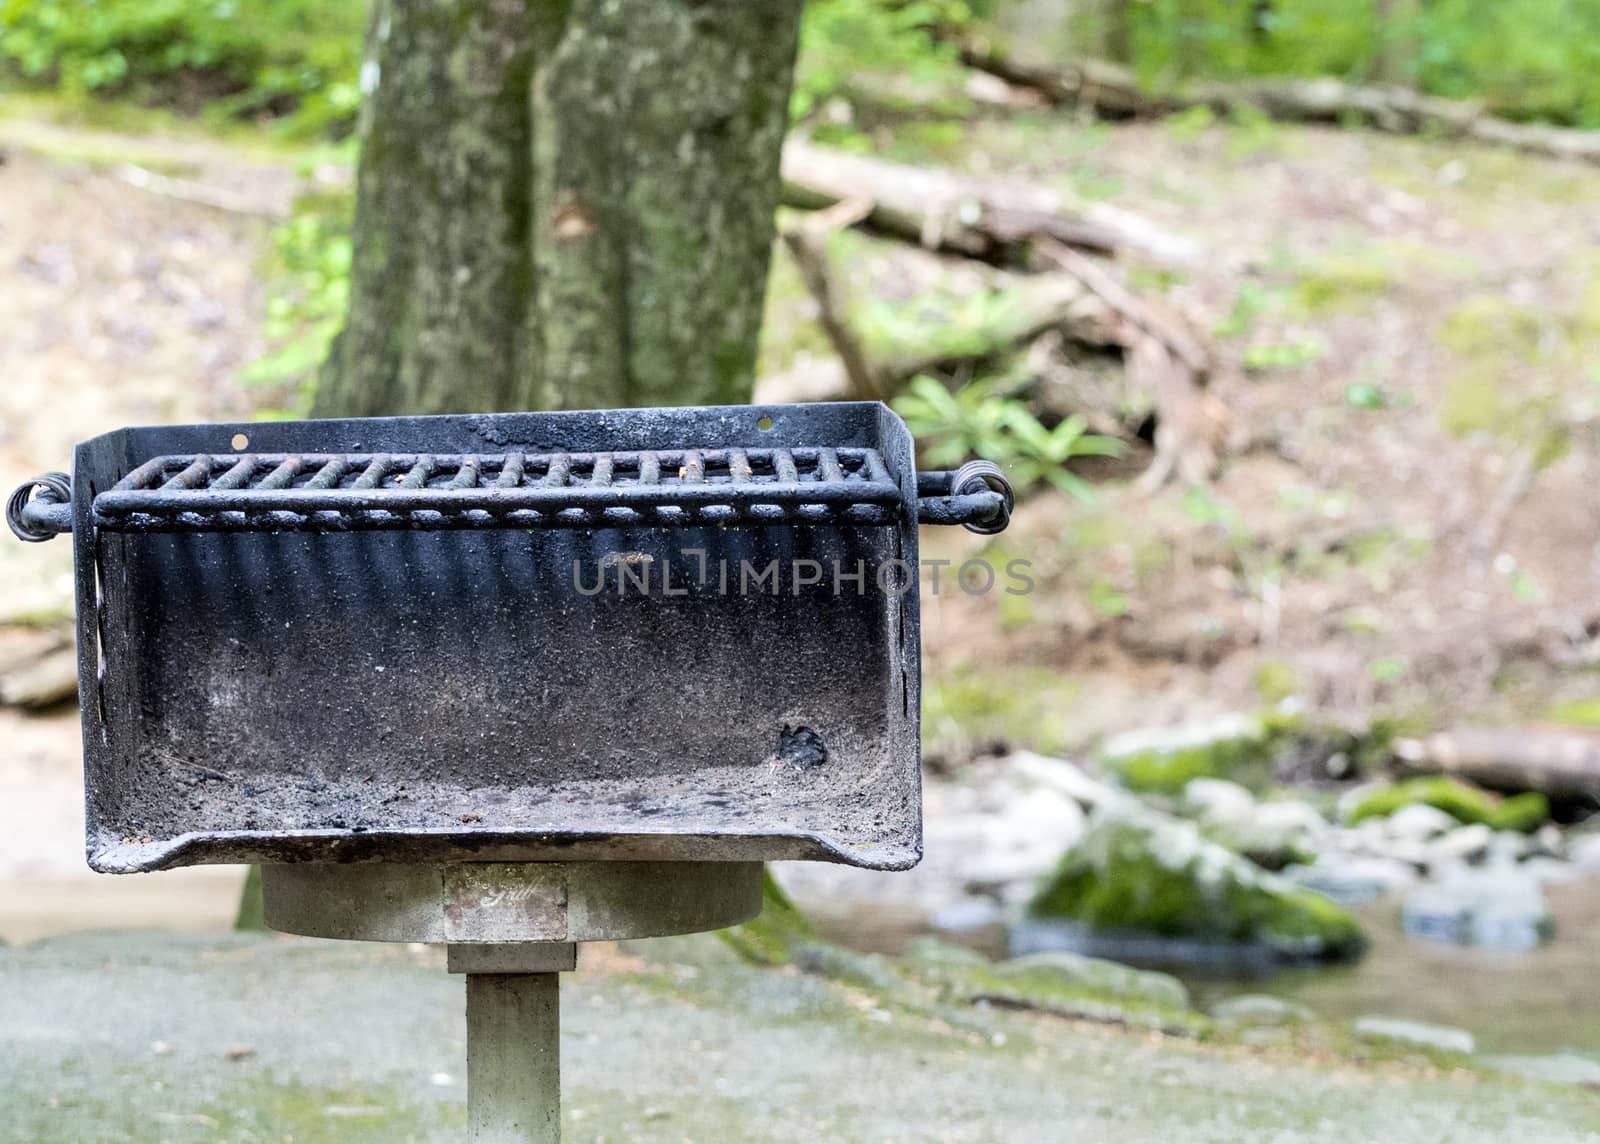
[[279, 1039]]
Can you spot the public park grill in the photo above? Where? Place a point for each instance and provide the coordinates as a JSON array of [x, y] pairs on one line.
[[505, 682]]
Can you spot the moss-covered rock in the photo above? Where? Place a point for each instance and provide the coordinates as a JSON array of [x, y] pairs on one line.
[[1463, 802], [1165, 760], [1279, 745], [1142, 872], [1065, 984], [1098, 976]]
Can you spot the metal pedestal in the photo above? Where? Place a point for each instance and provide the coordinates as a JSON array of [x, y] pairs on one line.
[[511, 929]]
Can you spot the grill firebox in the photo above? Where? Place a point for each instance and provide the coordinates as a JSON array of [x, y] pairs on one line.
[[643, 634]]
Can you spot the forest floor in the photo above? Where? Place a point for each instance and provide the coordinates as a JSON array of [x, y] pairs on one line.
[[1409, 333]]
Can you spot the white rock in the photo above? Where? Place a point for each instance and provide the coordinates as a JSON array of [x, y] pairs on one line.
[[1351, 880], [1260, 1009], [1549, 841], [1494, 908], [1507, 847], [1415, 1033], [1584, 851], [1218, 801], [1026, 839], [1555, 1068], [1064, 777], [1291, 816], [1459, 845], [1550, 871], [1164, 740], [967, 914], [1418, 822]]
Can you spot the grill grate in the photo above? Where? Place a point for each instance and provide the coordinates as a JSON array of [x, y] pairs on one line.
[[314, 492]]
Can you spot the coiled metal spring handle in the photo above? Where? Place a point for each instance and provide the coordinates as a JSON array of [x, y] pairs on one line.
[[37, 518], [976, 496], [978, 476]]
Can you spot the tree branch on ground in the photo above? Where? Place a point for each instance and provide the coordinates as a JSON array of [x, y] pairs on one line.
[[807, 241], [991, 219], [1114, 92]]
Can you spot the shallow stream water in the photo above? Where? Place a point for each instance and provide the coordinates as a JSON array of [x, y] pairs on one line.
[[1540, 1002]]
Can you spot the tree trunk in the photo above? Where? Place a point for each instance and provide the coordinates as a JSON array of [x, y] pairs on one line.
[[562, 203], [1116, 32], [1395, 48]]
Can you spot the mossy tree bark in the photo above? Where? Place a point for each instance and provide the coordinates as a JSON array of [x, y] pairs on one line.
[[562, 204]]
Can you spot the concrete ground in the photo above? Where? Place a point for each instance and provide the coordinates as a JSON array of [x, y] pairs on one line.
[[180, 1037]]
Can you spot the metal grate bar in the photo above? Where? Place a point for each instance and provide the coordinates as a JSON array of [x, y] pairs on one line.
[[373, 475], [558, 472], [658, 488], [417, 477], [286, 471], [510, 472], [466, 476], [328, 476], [191, 476], [237, 475]]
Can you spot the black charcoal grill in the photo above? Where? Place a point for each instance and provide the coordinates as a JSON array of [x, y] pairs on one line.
[[649, 635]]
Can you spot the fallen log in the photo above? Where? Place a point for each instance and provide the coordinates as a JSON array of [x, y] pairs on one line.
[[1114, 91], [996, 220], [1054, 303], [1562, 762]]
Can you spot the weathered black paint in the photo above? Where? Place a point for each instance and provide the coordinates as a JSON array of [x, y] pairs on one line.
[[427, 695]]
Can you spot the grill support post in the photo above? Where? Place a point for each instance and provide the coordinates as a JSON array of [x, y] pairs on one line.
[[514, 1058], [513, 1038], [512, 929]]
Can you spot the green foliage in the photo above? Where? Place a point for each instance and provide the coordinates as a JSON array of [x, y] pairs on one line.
[[968, 713], [979, 420], [1467, 804], [1276, 681], [308, 272], [1365, 395], [879, 56], [251, 914], [1285, 355], [1345, 281], [1525, 58], [1245, 759], [771, 937], [263, 58], [1576, 713], [1250, 302]]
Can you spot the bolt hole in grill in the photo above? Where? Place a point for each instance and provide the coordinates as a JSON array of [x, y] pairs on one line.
[[383, 639]]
